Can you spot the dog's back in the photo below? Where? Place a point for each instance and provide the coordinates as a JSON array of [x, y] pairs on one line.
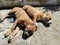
[[22, 15]]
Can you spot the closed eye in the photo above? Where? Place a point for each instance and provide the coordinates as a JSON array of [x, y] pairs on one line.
[[29, 31]]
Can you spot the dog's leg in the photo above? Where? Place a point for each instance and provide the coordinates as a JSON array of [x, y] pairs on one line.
[[34, 18], [3, 17], [14, 10], [12, 28], [13, 34], [11, 11]]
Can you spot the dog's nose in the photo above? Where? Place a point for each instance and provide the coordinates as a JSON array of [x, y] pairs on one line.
[[26, 34], [50, 18]]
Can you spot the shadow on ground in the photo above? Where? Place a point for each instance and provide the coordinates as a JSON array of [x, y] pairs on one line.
[[52, 8]]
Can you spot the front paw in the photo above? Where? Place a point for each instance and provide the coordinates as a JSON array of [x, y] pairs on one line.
[[9, 41], [7, 33]]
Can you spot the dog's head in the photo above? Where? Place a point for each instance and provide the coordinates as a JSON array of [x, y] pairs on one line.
[[30, 29], [47, 18]]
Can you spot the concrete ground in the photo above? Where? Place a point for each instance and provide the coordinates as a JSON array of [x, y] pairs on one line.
[[43, 36]]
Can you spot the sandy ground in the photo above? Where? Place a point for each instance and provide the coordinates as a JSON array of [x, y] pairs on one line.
[[43, 36]]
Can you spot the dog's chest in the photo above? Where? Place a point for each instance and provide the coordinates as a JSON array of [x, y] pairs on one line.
[[22, 22]]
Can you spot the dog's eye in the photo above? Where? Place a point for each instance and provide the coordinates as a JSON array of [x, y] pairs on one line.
[[47, 20], [29, 31]]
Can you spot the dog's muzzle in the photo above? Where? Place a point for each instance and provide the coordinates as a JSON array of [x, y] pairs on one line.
[[26, 33], [49, 21]]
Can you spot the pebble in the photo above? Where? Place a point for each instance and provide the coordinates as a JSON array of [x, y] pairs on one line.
[[11, 20]]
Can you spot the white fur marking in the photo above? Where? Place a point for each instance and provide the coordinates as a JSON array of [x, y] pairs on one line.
[[36, 23], [50, 21]]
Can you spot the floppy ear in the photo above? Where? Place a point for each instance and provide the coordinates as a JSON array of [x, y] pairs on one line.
[[48, 14], [35, 28]]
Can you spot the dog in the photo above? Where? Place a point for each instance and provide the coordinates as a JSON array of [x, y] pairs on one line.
[[36, 14], [22, 18]]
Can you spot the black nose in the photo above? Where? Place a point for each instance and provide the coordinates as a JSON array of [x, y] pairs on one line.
[[50, 18], [26, 34]]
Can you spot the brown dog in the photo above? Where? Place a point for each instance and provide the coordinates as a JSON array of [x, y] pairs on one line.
[[21, 19], [36, 14]]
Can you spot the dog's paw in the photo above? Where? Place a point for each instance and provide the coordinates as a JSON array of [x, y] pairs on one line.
[[5, 35], [1, 19], [9, 41]]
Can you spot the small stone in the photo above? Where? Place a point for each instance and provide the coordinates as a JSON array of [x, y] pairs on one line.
[[12, 20]]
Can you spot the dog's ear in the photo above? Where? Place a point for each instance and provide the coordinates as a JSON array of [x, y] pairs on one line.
[[47, 13], [35, 27]]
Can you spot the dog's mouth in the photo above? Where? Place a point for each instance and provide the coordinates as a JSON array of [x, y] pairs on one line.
[[28, 33], [47, 21]]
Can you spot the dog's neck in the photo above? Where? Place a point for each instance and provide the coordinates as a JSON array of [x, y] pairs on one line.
[[34, 23]]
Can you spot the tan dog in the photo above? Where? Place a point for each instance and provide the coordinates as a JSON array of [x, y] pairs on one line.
[[36, 14], [21, 19]]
